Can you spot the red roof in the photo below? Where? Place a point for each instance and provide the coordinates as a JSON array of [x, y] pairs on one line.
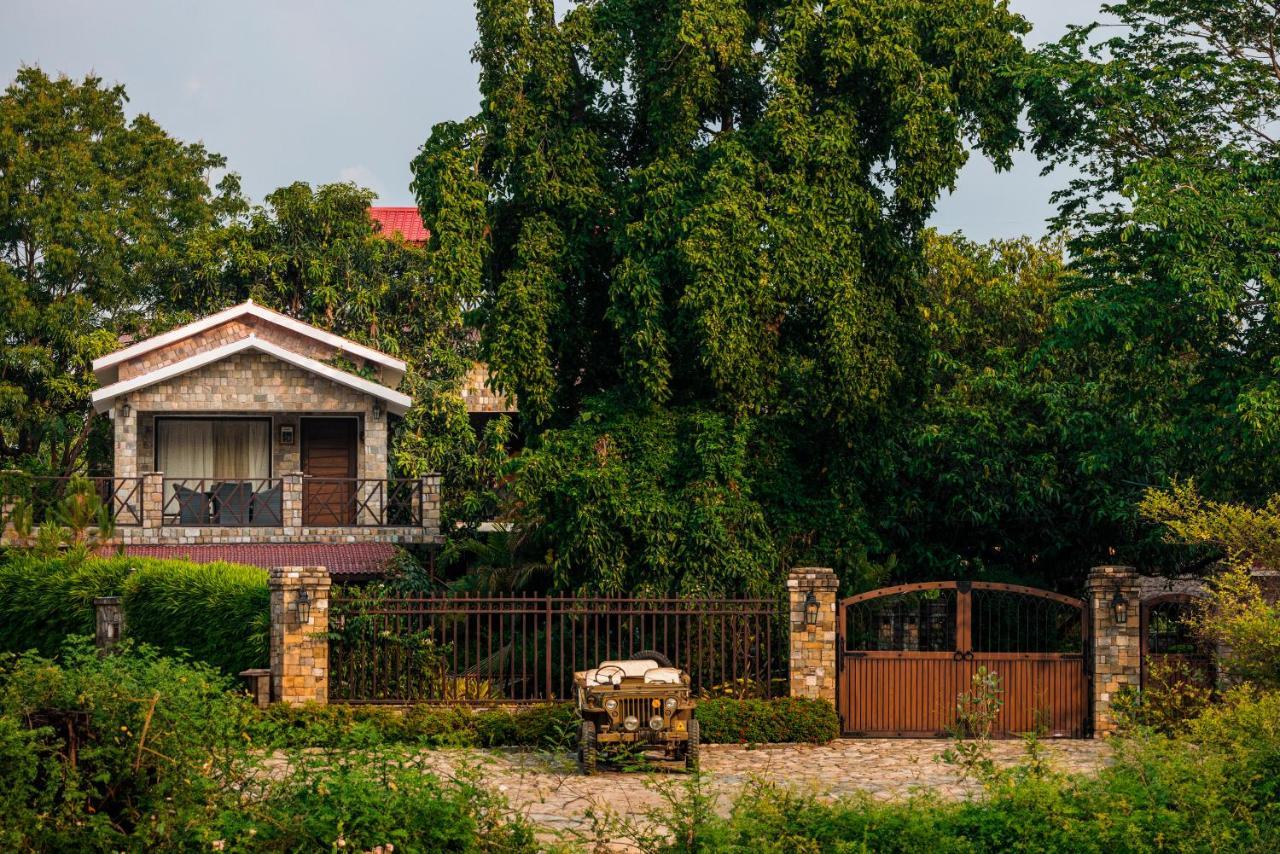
[[407, 221], [340, 558]]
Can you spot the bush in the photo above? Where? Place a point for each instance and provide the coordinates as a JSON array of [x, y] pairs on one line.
[[122, 751], [784, 719], [341, 726], [218, 612]]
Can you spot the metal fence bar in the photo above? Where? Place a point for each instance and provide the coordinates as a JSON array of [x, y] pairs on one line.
[[482, 650]]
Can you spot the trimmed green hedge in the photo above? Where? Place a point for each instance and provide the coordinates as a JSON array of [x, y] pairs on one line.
[[217, 612], [728, 721], [342, 726]]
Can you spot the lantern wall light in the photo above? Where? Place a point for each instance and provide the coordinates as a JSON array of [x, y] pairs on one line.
[[302, 607], [811, 609], [1120, 608]]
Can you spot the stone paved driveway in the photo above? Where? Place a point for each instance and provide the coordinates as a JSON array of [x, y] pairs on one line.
[[546, 788]]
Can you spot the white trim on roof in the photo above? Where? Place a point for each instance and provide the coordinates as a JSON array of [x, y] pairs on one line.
[[396, 402], [101, 364]]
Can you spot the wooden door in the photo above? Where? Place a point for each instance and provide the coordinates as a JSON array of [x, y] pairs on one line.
[[329, 466]]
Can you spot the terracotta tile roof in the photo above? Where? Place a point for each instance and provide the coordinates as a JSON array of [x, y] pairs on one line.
[[340, 558], [407, 221]]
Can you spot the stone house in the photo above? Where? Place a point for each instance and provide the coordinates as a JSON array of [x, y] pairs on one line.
[[250, 427]]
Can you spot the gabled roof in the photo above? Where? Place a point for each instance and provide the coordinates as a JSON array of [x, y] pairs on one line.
[[106, 368], [407, 221], [396, 402]]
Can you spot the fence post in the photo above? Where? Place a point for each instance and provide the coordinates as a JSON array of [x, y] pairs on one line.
[[299, 625], [813, 631], [1114, 600], [108, 613]]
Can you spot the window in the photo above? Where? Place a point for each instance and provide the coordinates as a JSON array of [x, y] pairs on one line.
[[214, 448]]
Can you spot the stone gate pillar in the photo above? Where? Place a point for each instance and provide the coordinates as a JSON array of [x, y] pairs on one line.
[[299, 621], [108, 619], [1117, 648], [813, 632]]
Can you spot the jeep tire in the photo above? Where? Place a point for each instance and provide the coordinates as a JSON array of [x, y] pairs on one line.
[[653, 654], [692, 747], [587, 750]]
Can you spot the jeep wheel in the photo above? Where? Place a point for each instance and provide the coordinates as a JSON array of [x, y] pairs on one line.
[[691, 749], [653, 654], [587, 748]]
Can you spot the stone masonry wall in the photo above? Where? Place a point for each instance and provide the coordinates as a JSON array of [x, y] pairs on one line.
[[299, 651], [477, 395], [813, 647], [1117, 649]]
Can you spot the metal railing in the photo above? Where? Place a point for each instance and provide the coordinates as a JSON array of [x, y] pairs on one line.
[[362, 501], [525, 649], [46, 496], [223, 502]]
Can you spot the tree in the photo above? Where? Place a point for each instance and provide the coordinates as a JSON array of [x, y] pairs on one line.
[[100, 218], [710, 214], [1171, 310]]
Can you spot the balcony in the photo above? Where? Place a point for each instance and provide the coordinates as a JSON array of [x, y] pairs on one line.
[[154, 509]]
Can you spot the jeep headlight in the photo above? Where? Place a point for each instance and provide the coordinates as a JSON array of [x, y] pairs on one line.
[[611, 704], [655, 722], [631, 724], [671, 704]]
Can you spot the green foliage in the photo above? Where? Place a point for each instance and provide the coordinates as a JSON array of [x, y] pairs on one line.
[[354, 727], [370, 803], [132, 752], [100, 218], [1213, 789], [124, 750], [1167, 108], [217, 612], [785, 719]]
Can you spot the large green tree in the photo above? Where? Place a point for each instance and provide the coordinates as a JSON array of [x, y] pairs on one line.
[[1169, 110], [704, 217], [101, 217]]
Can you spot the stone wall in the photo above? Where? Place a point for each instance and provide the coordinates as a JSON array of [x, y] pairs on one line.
[[299, 650], [477, 395], [1117, 650], [813, 646]]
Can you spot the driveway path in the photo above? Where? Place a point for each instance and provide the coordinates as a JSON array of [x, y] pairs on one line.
[[546, 788]]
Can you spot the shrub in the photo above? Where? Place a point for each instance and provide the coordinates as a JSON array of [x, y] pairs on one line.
[[329, 803], [218, 612], [126, 749], [784, 719], [340, 726]]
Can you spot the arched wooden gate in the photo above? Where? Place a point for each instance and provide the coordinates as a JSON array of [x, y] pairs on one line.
[[1170, 646], [905, 653]]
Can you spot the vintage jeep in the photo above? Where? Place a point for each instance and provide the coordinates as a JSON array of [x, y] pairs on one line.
[[641, 701]]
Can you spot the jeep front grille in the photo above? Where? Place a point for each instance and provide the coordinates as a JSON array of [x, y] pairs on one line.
[[641, 707]]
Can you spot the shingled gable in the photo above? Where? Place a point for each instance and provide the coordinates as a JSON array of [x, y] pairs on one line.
[[107, 368], [396, 402]]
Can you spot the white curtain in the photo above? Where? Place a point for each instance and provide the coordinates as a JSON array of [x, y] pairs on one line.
[[222, 449]]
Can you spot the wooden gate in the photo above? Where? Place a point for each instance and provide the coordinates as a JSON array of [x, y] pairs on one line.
[[906, 653], [1171, 651]]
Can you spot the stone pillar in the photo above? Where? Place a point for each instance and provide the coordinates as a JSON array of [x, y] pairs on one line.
[[813, 646], [108, 615], [1268, 581], [152, 502], [257, 681], [299, 650], [1117, 647], [431, 504], [291, 502]]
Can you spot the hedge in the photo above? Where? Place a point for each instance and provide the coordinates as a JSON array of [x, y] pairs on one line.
[[728, 721], [217, 612]]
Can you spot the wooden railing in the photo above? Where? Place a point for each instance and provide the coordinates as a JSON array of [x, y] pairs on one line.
[[362, 501], [46, 496]]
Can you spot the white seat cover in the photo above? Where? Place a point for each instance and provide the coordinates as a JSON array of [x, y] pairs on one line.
[[662, 676]]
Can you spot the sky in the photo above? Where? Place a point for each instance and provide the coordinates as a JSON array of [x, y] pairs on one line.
[[323, 91]]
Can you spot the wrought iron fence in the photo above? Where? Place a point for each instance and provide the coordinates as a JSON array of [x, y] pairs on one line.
[[223, 502], [362, 501], [121, 496], [525, 649]]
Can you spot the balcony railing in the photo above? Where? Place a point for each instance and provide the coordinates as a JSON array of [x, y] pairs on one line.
[[362, 502], [46, 496], [227, 503]]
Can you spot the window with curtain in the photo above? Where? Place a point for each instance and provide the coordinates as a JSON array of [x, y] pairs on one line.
[[214, 449]]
